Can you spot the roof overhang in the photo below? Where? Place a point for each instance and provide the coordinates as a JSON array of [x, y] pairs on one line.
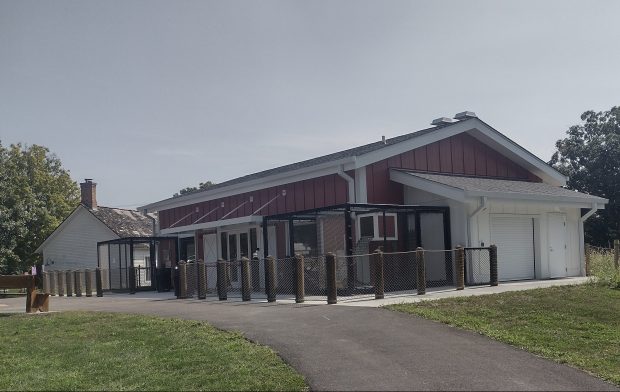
[[463, 195], [252, 219]]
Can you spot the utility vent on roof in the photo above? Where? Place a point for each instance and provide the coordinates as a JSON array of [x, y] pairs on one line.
[[465, 115], [442, 121]]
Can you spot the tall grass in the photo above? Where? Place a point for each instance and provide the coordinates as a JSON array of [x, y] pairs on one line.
[[602, 269]]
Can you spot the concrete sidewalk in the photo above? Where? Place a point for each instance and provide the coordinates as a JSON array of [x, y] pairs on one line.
[[358, 348]]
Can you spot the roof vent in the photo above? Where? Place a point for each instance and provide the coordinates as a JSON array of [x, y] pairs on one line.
[[441, 121], [383, 140], [465, 115]]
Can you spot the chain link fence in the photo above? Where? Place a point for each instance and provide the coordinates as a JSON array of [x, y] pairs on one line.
[[477, 266]]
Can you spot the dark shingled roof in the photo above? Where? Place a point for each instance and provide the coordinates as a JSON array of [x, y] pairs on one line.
[[516, 188], [125, 223]]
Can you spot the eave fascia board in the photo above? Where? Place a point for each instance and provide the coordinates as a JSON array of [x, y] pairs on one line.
[[498, 141], [253, 185], [214, 224], [428, 185], [503, 196]]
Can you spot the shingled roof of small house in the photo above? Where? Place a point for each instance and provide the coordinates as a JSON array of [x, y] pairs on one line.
[[125, 223]]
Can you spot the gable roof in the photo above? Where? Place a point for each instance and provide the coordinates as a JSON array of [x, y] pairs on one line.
[[460, 187], [122, 222], [357, 157]]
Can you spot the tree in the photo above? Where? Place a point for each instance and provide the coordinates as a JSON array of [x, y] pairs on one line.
[[36, 194], [192, 189], [590, 157]]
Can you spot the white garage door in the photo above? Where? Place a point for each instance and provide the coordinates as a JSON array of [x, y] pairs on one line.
[[514, 237]]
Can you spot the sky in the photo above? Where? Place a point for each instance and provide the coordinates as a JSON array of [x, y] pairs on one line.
[[148, 97]]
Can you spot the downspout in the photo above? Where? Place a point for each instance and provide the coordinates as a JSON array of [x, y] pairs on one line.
[[483, 206], [350, 181], [582, 250]]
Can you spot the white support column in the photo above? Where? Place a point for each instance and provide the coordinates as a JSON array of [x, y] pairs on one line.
[[361, 190]]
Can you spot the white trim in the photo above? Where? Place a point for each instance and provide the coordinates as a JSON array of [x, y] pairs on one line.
[[65, 223], [375, 221], [427, 185], [361, 189], [214, 224]]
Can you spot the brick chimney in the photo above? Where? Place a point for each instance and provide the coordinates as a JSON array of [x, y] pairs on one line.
[[89, 193]]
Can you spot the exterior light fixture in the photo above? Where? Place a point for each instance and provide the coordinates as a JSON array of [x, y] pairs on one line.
[[283, 192]]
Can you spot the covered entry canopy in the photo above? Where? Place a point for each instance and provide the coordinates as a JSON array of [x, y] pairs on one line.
[[461, 188]]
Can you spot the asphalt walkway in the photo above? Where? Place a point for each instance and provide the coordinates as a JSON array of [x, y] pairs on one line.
[[359, 348]]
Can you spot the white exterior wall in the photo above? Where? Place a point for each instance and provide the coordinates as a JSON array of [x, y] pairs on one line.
[[74, 246], [481, 231]]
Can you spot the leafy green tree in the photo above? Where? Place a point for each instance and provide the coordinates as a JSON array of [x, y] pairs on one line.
[[192, 189], [36, 194], [590, 157]]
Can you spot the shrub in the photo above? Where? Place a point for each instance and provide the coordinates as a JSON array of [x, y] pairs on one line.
[[602, 269]]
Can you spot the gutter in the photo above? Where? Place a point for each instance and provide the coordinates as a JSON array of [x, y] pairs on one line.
[[350, 181], [483, 206], [582, 250]]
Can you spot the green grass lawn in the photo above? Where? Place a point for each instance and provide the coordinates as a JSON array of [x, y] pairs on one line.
[[577, 325], [104, 351]]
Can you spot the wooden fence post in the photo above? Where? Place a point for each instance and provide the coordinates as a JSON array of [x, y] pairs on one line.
[[270, 278], [330, 274], [616, 252], [77, 282], [421, 270], [60, 281], [69, 283], [202, 280], [379, 279], [587, 251], [88, 282], [222, 281], [52, 278], [98, 282], [460, 268], [46, 282], [299, 279], [246, 288], [493, 265]]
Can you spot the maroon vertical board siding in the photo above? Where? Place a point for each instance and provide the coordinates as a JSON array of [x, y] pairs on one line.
[[272, 209], [264, 199], [341, 190], [299, 196], [289, 199], [480, 159], [469, 157], [370, 184], [502, 169], [380, 179], [445, 156], [432, 157], [407, 160], [421, 162], [308, 194], [456, 146], [511, 171], [280, 201], [319, 192], [394, 161], [330, 190], [491, 163]]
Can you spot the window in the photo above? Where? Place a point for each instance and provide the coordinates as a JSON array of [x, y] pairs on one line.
[[372, 226]]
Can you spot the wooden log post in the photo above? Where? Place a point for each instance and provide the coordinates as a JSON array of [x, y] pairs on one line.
[[330, 275], [421, 271], [46, 282], [182, 271], [270, 278], [88, 283], [98, 282], [69, 283], [587, 253], [60, 281], [52, 282], [493, 265], [616, 252], [246, 287], [202, 280], [299, 279], [460, 268], [222, 281], [379, 279], [77, 282]]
